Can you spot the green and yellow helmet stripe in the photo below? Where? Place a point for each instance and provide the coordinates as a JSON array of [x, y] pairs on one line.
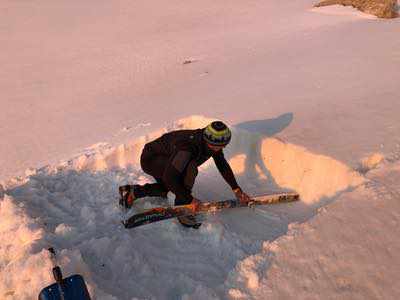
[[216, 132]]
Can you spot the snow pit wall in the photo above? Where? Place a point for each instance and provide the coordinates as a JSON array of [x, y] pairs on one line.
[[283, 165], [275, 163]]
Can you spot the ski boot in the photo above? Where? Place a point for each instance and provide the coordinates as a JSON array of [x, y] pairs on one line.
[[189, 221], [127, 195]]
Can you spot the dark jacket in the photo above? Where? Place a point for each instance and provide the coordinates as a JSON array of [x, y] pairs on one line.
[[184, 152]]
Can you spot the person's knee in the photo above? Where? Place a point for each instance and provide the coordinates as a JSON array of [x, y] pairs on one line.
[[182, 201], [145, 160], [155, 189]]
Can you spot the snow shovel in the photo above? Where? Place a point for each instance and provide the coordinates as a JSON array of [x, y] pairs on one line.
[[70, 288]]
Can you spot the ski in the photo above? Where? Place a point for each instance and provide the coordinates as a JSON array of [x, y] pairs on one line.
[[163, 213]]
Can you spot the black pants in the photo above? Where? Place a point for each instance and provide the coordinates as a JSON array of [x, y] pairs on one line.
[[154, 165]]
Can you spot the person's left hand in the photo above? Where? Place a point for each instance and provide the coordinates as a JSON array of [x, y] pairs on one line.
[[242, 196]]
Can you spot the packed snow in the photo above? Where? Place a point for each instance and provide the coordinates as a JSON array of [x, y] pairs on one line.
[[312, 98]]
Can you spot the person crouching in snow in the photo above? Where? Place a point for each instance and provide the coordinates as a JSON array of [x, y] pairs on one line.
[[173, 160]]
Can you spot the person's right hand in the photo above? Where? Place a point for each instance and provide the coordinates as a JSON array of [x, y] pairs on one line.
[[243, 198]]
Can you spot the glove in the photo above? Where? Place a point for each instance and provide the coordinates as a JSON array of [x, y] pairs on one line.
[[241, 196]]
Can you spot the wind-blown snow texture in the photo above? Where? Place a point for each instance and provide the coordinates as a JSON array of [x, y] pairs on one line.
[[311, 94]]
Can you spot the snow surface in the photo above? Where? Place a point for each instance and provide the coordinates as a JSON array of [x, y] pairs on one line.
[[312, 96]]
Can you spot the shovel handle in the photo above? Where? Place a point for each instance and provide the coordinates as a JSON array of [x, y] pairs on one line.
[[57, 274]]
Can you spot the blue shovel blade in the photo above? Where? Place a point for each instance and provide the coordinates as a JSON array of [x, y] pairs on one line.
[[73, 287]]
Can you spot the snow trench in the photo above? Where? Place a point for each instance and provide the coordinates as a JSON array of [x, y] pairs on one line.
[[73, 207]]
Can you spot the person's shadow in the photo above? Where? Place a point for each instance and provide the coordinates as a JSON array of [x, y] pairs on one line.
[[267, 127], [255, 166]]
